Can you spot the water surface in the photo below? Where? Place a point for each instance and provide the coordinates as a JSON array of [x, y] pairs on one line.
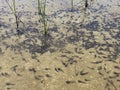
[[81, 52]]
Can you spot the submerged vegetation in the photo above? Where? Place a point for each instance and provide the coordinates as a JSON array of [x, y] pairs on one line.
[[13, 9], [39, 7], [42, 14], [71, 5]]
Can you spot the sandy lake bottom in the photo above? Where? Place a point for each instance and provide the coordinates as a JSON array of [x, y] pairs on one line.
[[80, 52]]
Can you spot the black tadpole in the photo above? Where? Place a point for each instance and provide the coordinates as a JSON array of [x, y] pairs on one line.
[[19, 32]]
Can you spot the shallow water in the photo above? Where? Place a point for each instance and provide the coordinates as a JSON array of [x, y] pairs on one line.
[[81, 52]]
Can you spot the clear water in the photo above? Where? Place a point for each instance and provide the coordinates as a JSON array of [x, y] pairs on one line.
[[81, 52]]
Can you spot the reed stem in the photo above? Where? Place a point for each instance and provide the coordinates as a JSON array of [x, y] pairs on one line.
[[14, 11], [39, 7], [72, 5], [42, 13]]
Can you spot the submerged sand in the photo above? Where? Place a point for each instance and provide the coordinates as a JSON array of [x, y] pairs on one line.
[[81, 52]]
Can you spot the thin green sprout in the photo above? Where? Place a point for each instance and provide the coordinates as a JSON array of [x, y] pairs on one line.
[[39, 7], [15, 12], [71, 5], [42, 13]]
